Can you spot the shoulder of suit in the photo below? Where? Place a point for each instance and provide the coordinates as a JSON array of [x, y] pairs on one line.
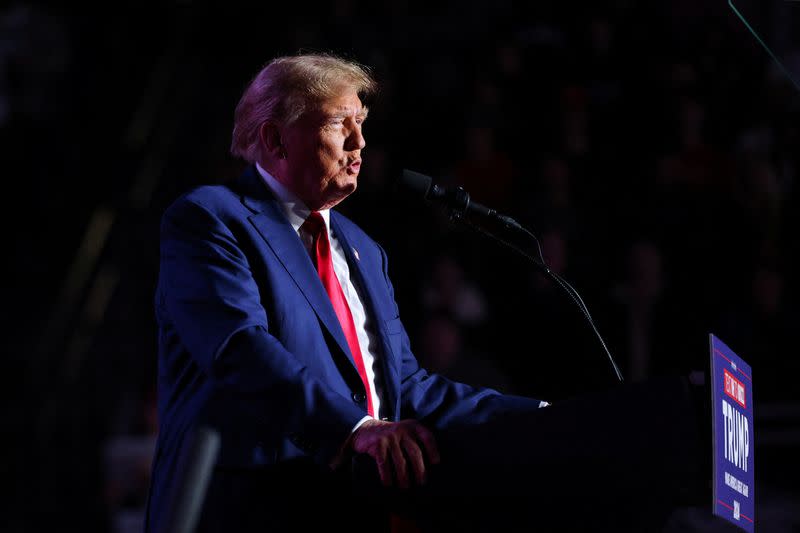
[[217, 199], [211, 196]]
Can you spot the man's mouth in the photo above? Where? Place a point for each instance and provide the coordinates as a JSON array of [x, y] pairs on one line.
[[354, 166]]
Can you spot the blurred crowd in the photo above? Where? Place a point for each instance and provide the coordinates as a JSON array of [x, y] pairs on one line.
[[653, 150]]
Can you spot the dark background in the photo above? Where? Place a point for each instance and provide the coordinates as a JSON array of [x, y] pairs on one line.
[[653, 148]]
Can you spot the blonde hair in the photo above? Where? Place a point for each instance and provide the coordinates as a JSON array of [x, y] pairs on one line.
[[286, 88]]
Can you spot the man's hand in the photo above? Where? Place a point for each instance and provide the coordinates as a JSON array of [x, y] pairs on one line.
[[397, 448]]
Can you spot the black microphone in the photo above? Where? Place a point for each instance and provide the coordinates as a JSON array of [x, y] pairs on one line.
[[455, 199]]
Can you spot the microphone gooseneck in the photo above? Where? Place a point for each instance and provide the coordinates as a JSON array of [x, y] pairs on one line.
[[501, 228]]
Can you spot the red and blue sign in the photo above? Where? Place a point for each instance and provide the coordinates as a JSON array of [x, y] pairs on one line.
[[732, 405]]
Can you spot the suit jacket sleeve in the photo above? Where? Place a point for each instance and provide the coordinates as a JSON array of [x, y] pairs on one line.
[[209, 294]]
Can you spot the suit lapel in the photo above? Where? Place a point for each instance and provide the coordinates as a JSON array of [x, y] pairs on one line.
[[280, 236]]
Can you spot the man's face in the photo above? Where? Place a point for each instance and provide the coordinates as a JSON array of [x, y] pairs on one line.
[[323, 151]]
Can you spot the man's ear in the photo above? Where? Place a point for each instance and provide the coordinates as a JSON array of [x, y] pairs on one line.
[[270, 137]]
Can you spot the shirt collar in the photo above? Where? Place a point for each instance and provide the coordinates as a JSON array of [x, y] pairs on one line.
[[293, 207]]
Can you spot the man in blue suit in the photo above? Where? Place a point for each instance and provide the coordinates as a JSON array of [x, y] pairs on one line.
[[277, 320]]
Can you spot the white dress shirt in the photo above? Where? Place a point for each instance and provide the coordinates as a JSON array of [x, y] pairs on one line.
[[296, 212]]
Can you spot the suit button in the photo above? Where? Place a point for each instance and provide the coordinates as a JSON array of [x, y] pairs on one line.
[[358, 397]]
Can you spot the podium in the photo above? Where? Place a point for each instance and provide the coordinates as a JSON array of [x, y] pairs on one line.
[[620, 460]]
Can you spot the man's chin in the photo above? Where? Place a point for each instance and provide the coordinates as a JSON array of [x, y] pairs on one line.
[[339, 193], [347, 184]]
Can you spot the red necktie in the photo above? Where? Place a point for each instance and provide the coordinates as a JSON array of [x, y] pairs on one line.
[[315, 225]]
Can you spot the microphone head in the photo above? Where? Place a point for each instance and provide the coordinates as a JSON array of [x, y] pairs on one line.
[[415, 183]]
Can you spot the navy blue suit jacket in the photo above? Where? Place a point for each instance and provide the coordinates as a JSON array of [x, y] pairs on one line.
[[250, 344]]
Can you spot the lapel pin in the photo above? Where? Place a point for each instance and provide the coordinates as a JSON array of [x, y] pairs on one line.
[[355, 252]]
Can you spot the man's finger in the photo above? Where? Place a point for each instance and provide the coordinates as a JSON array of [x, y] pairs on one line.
[[400, 466], [415, 458], [384, 466], [428, 442]]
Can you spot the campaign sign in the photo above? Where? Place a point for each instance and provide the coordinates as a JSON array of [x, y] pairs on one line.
[[732, 404]]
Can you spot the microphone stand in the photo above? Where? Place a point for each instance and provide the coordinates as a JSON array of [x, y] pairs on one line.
[[507, 225]]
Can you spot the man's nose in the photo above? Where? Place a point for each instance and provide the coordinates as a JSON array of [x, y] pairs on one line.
[[356, 141]]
